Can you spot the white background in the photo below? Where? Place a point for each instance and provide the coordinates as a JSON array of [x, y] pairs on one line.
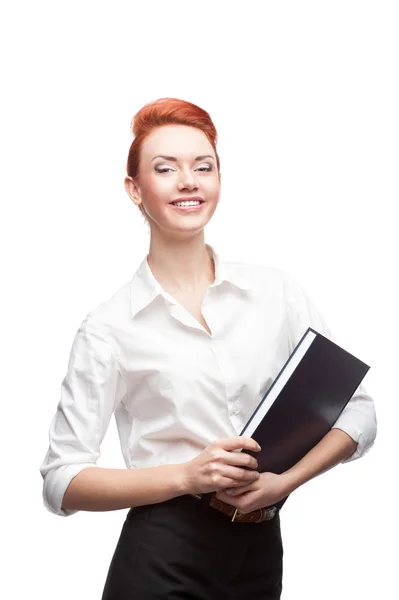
[[305, 99]]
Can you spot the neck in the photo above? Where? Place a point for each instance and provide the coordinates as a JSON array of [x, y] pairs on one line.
[[181, 265]]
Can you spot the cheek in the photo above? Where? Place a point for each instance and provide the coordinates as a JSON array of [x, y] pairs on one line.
[[157, 189], [212, 187]]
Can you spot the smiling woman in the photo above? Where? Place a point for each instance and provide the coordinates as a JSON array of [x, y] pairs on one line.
[[181, 355], [168, 167]]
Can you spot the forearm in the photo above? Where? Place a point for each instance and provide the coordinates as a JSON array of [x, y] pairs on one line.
[[330, 451], [103, 489]]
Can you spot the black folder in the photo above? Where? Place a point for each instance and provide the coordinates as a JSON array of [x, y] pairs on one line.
[[303, 403]]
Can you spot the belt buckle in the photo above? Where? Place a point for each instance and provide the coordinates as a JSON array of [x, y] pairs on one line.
[[266, 513], [270, 513]]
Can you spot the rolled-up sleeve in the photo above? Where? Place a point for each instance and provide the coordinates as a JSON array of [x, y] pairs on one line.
[[90, 392], [358, 419]]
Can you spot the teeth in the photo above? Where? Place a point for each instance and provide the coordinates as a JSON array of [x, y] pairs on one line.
[[188, 203]]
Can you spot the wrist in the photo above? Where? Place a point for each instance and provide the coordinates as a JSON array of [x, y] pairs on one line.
[[290, 481], [182, 480]]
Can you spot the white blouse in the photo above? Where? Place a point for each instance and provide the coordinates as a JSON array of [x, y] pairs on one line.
[[172, 386]]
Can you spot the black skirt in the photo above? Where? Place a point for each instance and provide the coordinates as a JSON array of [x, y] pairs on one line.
[[183, 549]]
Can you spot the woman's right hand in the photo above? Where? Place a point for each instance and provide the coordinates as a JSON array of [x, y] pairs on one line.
[[218, 468]]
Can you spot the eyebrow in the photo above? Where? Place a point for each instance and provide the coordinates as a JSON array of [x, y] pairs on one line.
[[173, 158]]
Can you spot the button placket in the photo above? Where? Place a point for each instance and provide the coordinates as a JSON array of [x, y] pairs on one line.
[[230, 379]]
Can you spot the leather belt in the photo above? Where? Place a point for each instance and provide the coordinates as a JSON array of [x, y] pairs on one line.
[[255, 516]]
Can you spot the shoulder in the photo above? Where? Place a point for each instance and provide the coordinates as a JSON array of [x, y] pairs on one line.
[[110, 315]]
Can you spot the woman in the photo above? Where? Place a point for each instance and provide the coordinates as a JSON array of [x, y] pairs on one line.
[[174, 354]]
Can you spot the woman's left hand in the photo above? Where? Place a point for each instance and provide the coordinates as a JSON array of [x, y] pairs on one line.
[[265, 491]]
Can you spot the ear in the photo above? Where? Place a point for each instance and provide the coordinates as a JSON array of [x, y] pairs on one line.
[[133, 190]]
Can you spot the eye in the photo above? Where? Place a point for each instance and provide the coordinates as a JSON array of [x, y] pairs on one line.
[[159, 169], [207, 168]]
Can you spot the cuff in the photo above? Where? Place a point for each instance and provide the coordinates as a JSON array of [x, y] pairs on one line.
[[55, 486], [360, 428]]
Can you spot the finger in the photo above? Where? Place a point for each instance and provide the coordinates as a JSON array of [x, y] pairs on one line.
[[236, 476], [234, 490], [241, 459], [239, 490], [232, 499], [237, 443]]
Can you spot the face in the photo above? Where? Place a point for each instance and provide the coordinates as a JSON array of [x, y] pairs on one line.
[[176, 163]]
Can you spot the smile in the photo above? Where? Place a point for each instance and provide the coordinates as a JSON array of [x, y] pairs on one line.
[[192, 206], [187, 203]]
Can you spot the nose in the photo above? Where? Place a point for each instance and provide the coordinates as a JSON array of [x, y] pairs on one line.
[[187, 181]]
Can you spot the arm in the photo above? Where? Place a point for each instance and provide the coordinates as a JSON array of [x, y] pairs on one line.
[[354, 432], [111, 489], [334, 448], [358, 419], [101, 489], [91, 391]]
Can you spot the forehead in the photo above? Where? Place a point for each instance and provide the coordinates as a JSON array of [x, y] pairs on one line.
[[176, 140]]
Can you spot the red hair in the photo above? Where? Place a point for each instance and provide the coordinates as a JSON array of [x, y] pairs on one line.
[[167, 111]]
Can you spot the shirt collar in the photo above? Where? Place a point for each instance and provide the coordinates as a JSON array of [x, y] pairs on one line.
[[144, 288]]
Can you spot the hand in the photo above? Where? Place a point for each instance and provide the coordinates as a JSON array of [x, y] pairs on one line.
[[265, 491], [218, 468]]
